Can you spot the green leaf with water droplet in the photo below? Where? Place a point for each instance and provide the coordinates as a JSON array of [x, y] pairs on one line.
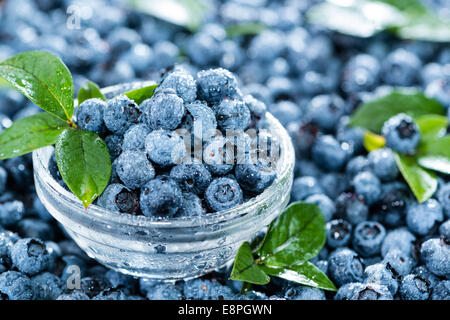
[[422, 182], [373, 114], [141, 94], [30, 133], [432, 126], [246, 269], [89, 90], [84, 163], [306, 274], [44, 79], [434, 154], [296, 236]]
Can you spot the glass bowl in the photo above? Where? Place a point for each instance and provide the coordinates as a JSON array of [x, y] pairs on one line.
[[168, 250]]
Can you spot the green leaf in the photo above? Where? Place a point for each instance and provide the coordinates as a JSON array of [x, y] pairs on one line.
[[360, 18], [5, 84], [434, 154], [373, 114], [296, 236], [245, 29], [84, 163], [44, 79], [373, 141], [189, 14], [306, 274], [141, 94], [89, 90], [432, 126], [245, 268], [422, 182], [30, 133]]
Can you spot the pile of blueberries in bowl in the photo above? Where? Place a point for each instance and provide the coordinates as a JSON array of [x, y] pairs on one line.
[[381, 243]]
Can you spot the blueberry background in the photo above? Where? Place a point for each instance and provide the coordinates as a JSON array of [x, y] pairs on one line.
[[381, 244]]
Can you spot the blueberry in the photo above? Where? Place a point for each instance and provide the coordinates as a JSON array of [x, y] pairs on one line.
[[165, 291], [73, 295], [164, 110], [424, 273], [183, 84], [255, 178], [193, 178], [441, 291], [140, 57], [111, 294], [114, 142], [30, 256], [200, 289], [223, 193], [357, 165], [232, 115], [351, 208], [399, 261], [352, 138], [166, 54], [165, 148], [90, 115], [372, 291], [121, 281], [344, 266], [304, 187], [117, 197], [333, 184], [20, 175], [347, 291], [435, 253], [218, 154], [257, 109], [267, 46], [35, 228], [306, 168], [423, 218], [203, 48], [383, 164], [216, 84], [298, 292], [7, 240], [286, 111], [325, 204], [338, 233], [392, 205], [444, 198], [367, 186], [11, 212], [3, 180], [414, 287], [402, 133], [15, 286], [46, 286], [439, 89], [325, 111], [120, 114], [400, 68], [444, 229], [192, 206], [328, 154], [382, 275], [204, 121], [304, 136], [121, 39], [400, 239], [134, 138], [161, 197], [92, 286], [360, 73], [134, 169], [368, 237]]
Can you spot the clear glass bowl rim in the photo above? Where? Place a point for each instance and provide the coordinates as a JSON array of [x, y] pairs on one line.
[[234, 215]]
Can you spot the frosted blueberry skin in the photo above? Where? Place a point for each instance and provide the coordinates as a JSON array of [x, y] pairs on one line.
[[368, 237], [344, 266], [257, 109], [444, 229], [441, 291], [444, 198], [203, 123], [134, 138], [114, 143], [304, 187], [117, 197], [423, 218], [436, 255], [400, 262], [216, 84], [371, 291], [134, 169], [367, 186], [360, 73], [73, 295], [223, 193], [380, 274], [326, 110], [15, 286], [383, 164], [161, 197], [165, 148], [400, 68], [216, 158], [339, 233], [402, 133], [400, 239], [164, 110], [11, 212], [30, 256], [299, 292], [347, 291], [414, 287], [232, 115], [46, 286], [193, 178], [328, 154], [183, 83], [90, 115], [192, 206], [120, 114], [255, 178], [351, 208]]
